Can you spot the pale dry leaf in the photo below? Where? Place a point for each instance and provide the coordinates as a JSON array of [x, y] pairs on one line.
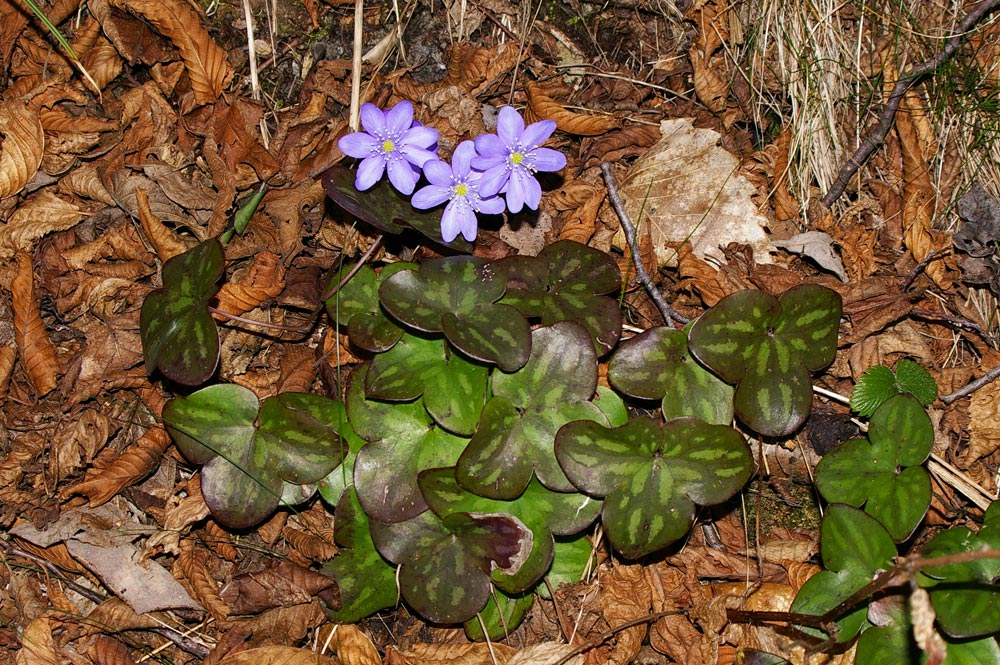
[[166, 244], [37, 216], [543, 107], [354, 647], [984, 426], [205, 61], [545, 653], [818, 246], [8, 354], [37, 644], [86, 181], [38, 355], [103, 63], [462, 654], [135, 463], [75, 444], [687, 188], [21, 147], [277, 655], [115, 614], [625, 595], [282, 625], [183, 512]]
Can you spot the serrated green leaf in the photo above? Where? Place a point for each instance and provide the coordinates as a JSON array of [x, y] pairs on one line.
[[356, 307], [179, 336], [767, 347], [652, 475], [453, 388], [403, 441], [519, 423], [912, 378], [445, 563], [874, 387], [567, 282], [385, 208], [854, 546], [542, 511], [458, 295], [366, 582], [656, 365], [250, 451]]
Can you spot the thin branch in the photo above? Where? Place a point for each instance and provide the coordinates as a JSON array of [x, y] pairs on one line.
[[876, 136], [628, 227], [597, 641], [357, 266], [972, 386]]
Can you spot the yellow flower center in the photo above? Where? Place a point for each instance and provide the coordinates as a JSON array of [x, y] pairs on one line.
[[388, 146], [461, 189], [516, 158]]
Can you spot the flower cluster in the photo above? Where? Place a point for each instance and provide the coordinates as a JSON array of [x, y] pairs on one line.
[[496, 172]]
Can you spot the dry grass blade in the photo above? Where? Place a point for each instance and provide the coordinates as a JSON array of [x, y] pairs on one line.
[[38, 355]]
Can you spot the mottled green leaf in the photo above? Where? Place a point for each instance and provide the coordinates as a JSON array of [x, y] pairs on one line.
[[445, 563], [653, 474], [458, 295], [385, 208], [502, 615], [542, 511], [179, 336], [854, 547], [403, 441], [567, 282], [356, 307], [366, 582], [767, 346], [250, 451], [573, 558], [332, 487], [656, 365], [520, 421]]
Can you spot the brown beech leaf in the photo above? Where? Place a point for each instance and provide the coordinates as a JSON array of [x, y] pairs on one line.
[[166, 244], [283, 585], [21, 147], [37, 644], [106, 650], [103, 62], [459, 654], [282, 625], [135, 463], [311, 546], [86, 181], [543, 107], [205, 61], [76, 444], [265, 278], [115, 614], [355, 648], [278, 655], [625, 595], [8, 354], [192, 563], [546, 653], [37, 216], [629, 141], [38, 355]]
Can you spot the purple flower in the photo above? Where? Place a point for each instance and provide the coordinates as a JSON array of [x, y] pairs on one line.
[[510, 158], [459, 185], [391, 142]]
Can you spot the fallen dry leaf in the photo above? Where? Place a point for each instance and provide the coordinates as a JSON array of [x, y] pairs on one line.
[[38, 355], [278, 655], [22, 145]]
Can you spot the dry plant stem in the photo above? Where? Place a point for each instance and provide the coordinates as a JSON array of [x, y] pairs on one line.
[[956, 321], [603, 637], [357, 266], [877, 135], [972, 386], [669, 315], [919, 268], [359, 24], [179, 640]]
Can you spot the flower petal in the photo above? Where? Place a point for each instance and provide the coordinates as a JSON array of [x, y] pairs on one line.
[[532, 190], [399, 118], [461, 159], [547, 159], [373, 120], [416, 156], [510, 126], [451, 222], [420, 136], [357, 144], [467, 222], [438, 172], [369, 172], [516, 191], [493, 180], [493, 205], [430, 196], [535, 134], [489, 146], [401, 175]]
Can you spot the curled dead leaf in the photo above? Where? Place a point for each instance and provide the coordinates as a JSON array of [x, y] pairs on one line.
[[625, 595], [40, 214], [310, 545], [163, 239], [460, 654], [265, 278], [543, 107], [85, 181], [280, 586], [545, 653], [135, 463], [355, 648], [22, 145], [192, 564], [278, 655], [106, 650], [38, 355], [38, 647]]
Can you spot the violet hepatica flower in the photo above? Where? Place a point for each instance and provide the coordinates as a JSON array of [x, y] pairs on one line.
[[458, 184], [510, 158], [391, 143]]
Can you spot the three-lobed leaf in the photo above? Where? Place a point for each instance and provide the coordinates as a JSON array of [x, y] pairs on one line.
[[878, 384], [652, 475], [356, 307], [179, 336], [767, 346], [249, 449]]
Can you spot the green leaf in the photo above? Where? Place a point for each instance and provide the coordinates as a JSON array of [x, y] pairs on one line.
[[332, 487], [250, 450], [881, 473], [179, 336], [573, 559], [854, 547], [366, 582], [542, 511], [403, 441], [912, 378], [453, 388], [767, 347], [656, 365], [356, 306], [652, 475], [445, 564], [244, 214], [502, 615], [385, 208], [874, 387], [567, 282], [519, 423], [458, 295]]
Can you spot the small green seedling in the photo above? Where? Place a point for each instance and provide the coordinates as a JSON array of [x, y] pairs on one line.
[[879, 383]]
